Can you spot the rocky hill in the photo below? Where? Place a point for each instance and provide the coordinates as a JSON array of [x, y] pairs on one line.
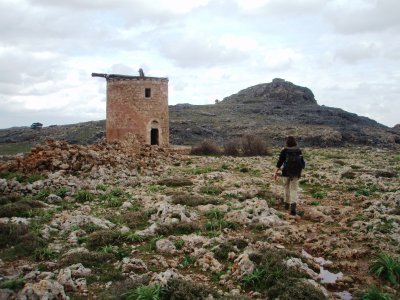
[[273, 110], [270, 110]]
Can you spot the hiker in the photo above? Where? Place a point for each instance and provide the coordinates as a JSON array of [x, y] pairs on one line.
[[292, 160]]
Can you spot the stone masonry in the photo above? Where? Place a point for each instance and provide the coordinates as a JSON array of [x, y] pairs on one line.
[[137, 105]]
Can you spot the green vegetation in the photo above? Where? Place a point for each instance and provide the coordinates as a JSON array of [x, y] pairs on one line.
[[216, 221], [386, 268], [12, 284], [83, 196], [318, 194], [144, 293], [14, 148], [374, 293], [211, 190]]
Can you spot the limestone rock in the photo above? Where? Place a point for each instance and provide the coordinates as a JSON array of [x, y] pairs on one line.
[[44, 289]]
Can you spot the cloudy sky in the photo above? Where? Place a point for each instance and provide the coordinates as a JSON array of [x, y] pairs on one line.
[[346, 51]]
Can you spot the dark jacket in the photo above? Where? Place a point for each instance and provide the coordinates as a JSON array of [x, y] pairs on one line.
[[282, 159]]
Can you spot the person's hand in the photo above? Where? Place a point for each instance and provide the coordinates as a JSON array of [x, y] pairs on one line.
[[276, 175]]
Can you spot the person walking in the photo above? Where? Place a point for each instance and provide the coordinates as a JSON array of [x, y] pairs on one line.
[[293, 163]]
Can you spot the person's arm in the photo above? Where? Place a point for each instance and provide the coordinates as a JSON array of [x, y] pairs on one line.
[[279, 164]]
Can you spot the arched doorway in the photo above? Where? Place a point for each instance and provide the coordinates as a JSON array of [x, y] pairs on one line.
[[154, 136]]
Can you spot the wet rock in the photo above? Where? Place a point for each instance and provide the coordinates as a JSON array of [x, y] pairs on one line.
[[297, 264]]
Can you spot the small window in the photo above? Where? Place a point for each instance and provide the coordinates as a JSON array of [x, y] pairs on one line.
[[147, 92]]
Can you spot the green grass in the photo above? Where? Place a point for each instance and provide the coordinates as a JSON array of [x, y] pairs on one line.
[[14, 148], [12, 284], [84, 196], [386, 268], [144, 293], [373, 293]]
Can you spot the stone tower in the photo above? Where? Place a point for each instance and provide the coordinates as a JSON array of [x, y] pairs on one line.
[[137, 105]]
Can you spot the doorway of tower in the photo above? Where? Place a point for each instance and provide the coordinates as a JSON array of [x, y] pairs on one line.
[[154, 136]]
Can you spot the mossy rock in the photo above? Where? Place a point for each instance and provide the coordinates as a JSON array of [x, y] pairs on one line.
[[175, 182], [298, 289]]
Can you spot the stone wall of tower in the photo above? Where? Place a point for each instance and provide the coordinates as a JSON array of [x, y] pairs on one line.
[[132, 111]]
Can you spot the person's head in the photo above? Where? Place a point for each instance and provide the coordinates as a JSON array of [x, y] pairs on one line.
[[291, 141]]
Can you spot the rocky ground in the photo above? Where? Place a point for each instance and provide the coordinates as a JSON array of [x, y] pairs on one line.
[[128, 221]]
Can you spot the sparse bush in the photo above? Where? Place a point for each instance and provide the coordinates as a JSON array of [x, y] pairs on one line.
[[348, 175], [232, 148], [10, 233], [149, 292], [83, 196], [387, 268], [13, 284], [88, 259], [374, 293], [206, 147], [22, 208], [179, 244], [193, 200], [104, 237], [175, 182], [221, 252], [61, 192], [254, 146], [318, 194], [270, 270], [185, 290], [295, 288], [136, 219], [176, 229], [42, 194], [211, 190], [43, 253]]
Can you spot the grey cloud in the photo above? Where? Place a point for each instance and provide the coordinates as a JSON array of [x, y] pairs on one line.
[[357, 52], [188, 51], [372, 16]]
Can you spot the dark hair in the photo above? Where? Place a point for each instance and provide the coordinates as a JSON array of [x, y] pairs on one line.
[[291, 141]]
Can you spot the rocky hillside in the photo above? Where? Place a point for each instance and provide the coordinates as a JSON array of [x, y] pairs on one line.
[[271, 110], [129, 221]]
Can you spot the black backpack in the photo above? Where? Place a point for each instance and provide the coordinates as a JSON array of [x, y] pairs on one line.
[[294, 163]]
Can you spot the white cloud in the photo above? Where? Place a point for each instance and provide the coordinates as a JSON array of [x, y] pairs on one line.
[[209, 49]]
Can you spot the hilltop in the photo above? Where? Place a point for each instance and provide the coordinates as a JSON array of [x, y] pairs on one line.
[[269, 110]]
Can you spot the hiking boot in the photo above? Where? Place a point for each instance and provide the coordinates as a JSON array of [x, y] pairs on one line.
[[286, 206], [293, 209]]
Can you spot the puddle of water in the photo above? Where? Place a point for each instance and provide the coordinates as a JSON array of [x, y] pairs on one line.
[[345, 295], [328, 277]]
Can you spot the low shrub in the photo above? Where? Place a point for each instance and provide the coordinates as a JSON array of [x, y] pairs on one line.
[[13, 284], [254, 146], [232, 148], [104, 237], [193, 200], [185, 290], [23, 208], [83, 196], [177, 229], [211, 190], [373, 293], [206, 147], [136, 219], [295, 288], [88, 259], [149, 292], [175, 182]]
